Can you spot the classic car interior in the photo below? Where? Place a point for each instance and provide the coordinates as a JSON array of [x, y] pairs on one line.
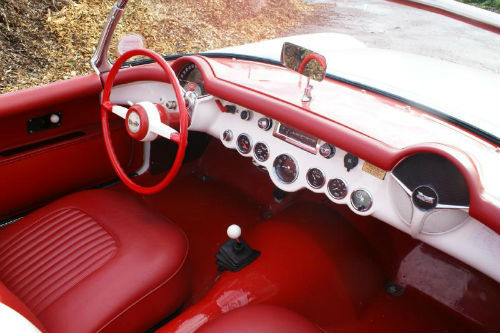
[[330, 207]]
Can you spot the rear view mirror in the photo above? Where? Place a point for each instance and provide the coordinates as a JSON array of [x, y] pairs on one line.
[[304, 61]]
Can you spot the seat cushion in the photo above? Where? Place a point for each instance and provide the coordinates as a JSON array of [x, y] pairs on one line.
[[260, 319], [95, 261]]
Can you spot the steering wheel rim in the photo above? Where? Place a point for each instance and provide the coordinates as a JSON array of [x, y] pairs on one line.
[[180, 138]]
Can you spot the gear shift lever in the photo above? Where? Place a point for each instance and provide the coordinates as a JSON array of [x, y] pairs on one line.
[[235, 253], [234, 232]]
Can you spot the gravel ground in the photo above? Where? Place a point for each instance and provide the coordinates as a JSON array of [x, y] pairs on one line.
[[49, 40], [388, 25]]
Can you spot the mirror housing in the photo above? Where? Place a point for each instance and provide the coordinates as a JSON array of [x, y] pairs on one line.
[[303, 61]]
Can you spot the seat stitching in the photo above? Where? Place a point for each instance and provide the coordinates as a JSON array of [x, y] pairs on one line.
[[53, 278], [23, 233], [79, 275], [73, 252], [72, 227], [56, 250]]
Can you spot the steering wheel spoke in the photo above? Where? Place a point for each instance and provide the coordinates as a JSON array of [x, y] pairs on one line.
[[120, 111], [165, 131], [144, 121]]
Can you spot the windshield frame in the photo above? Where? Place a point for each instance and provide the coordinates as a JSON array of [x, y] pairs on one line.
[[443, 116], [101, 64]]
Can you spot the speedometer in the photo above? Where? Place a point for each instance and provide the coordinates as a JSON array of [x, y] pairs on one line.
[[191, 79]]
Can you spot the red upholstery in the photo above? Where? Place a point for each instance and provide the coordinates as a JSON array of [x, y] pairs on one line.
[[95, 261], [260, 319], [9, 299]]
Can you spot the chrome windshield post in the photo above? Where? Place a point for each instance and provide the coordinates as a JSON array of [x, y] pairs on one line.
[[100, 61]]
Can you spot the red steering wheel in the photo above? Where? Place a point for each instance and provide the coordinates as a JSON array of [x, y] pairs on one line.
[[145, 121]]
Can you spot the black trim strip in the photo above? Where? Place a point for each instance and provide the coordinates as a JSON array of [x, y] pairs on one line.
[[455, 121], [32, 146]]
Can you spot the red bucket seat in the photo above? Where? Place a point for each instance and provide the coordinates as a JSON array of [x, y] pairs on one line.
[[95, 261], [260, 318]]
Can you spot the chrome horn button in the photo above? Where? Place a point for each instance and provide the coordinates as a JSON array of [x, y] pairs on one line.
[[133, 122]]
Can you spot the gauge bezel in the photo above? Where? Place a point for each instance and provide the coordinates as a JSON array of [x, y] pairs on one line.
[[238, 146], [255, 151], [309, 183], [185, 71], [296, 167], [371, 200], [330, 193]]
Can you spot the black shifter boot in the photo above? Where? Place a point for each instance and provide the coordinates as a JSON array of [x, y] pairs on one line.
[[233, 255]]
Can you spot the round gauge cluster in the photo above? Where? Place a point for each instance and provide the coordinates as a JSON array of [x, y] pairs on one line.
[[261, 152], [315, 178], [337, 188], [361, 200], [191, 79], [244, 144], [286, 168]]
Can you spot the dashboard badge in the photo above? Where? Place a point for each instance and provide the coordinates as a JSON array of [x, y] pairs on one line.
[[424, 197], [374, 170]]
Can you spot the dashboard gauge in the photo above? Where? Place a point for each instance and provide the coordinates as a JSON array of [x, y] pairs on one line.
[[286, 168], [337, 188], [191, 79], [244, 144], [261, 152], [361, 200], [315, 178], [350, 161], [327, 150]]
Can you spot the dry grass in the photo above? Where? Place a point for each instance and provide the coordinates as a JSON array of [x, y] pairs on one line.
[[58, 36]]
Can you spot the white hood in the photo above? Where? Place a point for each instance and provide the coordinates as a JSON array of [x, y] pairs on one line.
[[465, 93]]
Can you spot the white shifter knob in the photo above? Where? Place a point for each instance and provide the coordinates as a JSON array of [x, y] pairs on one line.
[[234, 231]]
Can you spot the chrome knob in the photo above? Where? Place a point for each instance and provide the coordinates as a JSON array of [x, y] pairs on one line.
[[327, 150], [265, 123], [246, 115], [227, 135]]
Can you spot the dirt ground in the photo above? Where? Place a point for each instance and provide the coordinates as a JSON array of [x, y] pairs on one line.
[[48, 40]]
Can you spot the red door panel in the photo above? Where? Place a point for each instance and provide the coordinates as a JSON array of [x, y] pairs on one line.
[[38, 167]]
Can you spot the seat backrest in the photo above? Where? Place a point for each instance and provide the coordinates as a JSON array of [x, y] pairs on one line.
[[15, 315]]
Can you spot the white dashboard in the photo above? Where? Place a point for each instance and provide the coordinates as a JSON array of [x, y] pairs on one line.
[[289, 156]]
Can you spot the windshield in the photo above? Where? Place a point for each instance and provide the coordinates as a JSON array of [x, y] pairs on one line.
[[383, 45], [188, 26]]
